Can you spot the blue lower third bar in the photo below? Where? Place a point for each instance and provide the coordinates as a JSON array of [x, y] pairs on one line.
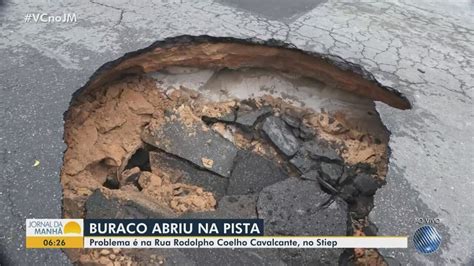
[[173, 227]]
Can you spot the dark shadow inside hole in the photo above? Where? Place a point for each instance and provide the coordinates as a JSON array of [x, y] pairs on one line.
[[140, 159], [111, 182]]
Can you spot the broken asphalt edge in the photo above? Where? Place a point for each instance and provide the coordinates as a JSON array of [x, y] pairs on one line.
[[334, 60]]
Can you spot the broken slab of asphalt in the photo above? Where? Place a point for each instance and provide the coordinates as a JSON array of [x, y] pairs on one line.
[[186, 172], [247, 118], [295, 207], [331, 172], [131, 205], [281, 135], [311, 152], [235, 206], [195, 143], [252, 173], [366, 185]]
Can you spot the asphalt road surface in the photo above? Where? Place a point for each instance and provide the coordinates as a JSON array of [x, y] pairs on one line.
[[424, 49]]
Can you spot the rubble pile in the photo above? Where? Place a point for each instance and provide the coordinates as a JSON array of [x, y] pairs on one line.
[[137, 150]]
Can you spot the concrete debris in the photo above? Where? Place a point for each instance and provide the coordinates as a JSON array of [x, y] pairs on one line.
[[287, 207], [248, 118], [312, 153], [366, 184], [219, 112], [346, 175], [181, 171], [235, 206], [118, 206], [193, 143], [238, 206], [178, 196], [311, 175], [281, 135], [306, 132], [321, 149], [348, 193], [252, 173], [292, 207], [331, 172], [292, 121], [303, 162]]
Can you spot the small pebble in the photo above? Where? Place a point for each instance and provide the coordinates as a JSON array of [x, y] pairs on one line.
[[105, 252], [104, 260]]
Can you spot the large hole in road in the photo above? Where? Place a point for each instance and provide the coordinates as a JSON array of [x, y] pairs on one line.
[[204, 127]]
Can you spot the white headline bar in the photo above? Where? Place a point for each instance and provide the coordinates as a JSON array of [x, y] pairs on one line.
[[248, 242]]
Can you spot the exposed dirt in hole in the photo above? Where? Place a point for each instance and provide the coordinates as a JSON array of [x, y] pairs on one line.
[[172, 151]]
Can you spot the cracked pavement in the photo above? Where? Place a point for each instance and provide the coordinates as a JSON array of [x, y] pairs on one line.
[[424, 49]]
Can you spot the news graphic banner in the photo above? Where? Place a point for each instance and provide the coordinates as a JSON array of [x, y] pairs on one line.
[[54, 233], [182, 233]]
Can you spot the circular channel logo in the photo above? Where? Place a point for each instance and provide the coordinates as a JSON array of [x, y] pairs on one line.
[[427, 239]]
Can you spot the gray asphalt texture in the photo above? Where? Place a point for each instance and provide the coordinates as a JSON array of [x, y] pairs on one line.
[[423, 49]]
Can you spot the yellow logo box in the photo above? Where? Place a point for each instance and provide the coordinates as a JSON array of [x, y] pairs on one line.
[[54, 233]]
